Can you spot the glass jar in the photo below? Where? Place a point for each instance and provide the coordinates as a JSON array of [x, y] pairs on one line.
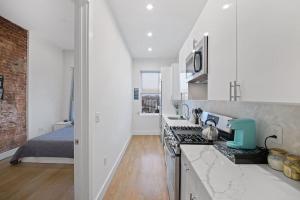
[[291, 167], [276, 158]]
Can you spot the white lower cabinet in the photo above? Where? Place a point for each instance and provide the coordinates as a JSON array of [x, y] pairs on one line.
[[191, 186], [184, 190]]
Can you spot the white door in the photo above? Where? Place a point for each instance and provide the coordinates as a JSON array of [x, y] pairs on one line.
[[81, 92]]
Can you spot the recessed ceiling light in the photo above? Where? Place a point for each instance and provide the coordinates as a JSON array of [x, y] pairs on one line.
[[149, 6], [149, 34], [149, 49], [226, 6]]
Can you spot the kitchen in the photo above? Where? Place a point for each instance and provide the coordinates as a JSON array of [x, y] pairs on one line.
[[227, 96], [173, 100]]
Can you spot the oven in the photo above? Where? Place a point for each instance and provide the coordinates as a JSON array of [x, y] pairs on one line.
[[175, 136], [173, 171]]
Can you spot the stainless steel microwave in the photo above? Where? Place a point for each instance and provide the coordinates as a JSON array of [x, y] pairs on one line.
[[197, 62]]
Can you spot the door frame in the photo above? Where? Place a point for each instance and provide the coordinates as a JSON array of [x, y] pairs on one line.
[[82, 143]]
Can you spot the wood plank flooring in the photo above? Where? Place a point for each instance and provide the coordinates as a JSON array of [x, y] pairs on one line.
[[29, 181], [141, 174]]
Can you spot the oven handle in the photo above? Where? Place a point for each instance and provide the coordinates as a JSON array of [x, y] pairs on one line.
[[169, 151]]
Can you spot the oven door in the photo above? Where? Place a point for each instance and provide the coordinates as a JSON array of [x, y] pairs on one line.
[[172, 163]]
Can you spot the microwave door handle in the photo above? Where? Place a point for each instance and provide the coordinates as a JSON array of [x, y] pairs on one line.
[[195, 56]]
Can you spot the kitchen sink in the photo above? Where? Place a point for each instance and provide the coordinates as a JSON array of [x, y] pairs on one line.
[[176, 118]]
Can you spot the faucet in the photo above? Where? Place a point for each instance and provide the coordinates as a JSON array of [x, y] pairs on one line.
[[187, 114]]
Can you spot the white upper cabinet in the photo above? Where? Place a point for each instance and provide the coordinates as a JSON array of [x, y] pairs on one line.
[[269, 50], [183, 54], [255, 42], [218, 20]]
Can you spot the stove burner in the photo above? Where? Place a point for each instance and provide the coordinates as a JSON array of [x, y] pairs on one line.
[[192, 139], [187, 128]]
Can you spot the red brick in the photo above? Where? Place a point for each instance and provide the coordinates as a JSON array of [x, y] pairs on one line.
[[13, 66]]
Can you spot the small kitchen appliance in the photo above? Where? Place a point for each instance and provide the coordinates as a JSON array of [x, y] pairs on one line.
[[244, 134], [197, 62], [210, 132]]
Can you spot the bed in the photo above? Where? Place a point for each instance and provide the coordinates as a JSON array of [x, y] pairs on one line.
[[53, 147]]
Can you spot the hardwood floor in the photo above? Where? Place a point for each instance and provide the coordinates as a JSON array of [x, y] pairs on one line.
[[141, 174], [36, 181]]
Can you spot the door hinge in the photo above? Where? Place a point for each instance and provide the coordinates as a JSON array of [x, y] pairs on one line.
[[76, 141]]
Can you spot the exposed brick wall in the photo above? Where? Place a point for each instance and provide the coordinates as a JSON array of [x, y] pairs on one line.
[[13, 66]]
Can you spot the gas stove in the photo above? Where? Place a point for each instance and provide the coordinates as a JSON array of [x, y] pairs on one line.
[[192, 139], [186, 130], [174, 136], [177, 136], [189, 135]]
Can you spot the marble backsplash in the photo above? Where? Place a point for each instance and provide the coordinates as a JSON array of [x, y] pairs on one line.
[[267, 116]]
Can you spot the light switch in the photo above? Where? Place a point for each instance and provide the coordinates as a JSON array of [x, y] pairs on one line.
[[97, 117]]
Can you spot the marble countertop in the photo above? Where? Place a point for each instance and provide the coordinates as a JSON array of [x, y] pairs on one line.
[[183, 122], [225, 180]]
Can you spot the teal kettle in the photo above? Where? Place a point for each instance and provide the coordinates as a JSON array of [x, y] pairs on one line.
[[244, 134]]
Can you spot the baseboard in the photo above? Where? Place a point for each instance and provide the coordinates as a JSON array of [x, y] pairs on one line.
[[48, 160], [8, 153], [145, 133], [112, 172]]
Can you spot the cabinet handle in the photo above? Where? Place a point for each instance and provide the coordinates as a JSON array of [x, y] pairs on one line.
[[192, 197], [235, 86], [230, 91]]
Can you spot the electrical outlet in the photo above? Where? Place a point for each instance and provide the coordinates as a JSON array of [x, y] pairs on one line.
[[104, 161], [278, 131]]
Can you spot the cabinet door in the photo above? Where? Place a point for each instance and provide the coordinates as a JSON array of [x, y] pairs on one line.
[[187, 47], [218, 20], [191, 186], [268, 50], [184, 179], [176, 83], [197, 189]]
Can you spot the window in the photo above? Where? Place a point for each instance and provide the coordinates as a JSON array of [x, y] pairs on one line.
[[150, 92]]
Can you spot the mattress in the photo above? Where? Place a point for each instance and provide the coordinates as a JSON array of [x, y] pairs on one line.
[[58, 144]]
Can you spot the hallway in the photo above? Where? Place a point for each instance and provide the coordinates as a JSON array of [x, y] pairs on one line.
[[141, 174]]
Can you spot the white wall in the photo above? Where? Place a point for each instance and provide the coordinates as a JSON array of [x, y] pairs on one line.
[[45, 85], [145, 124], [68, 56], [110, 95]]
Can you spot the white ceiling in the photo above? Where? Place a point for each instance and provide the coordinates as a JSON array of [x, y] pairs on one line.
[[51, 19], [170, 21]]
